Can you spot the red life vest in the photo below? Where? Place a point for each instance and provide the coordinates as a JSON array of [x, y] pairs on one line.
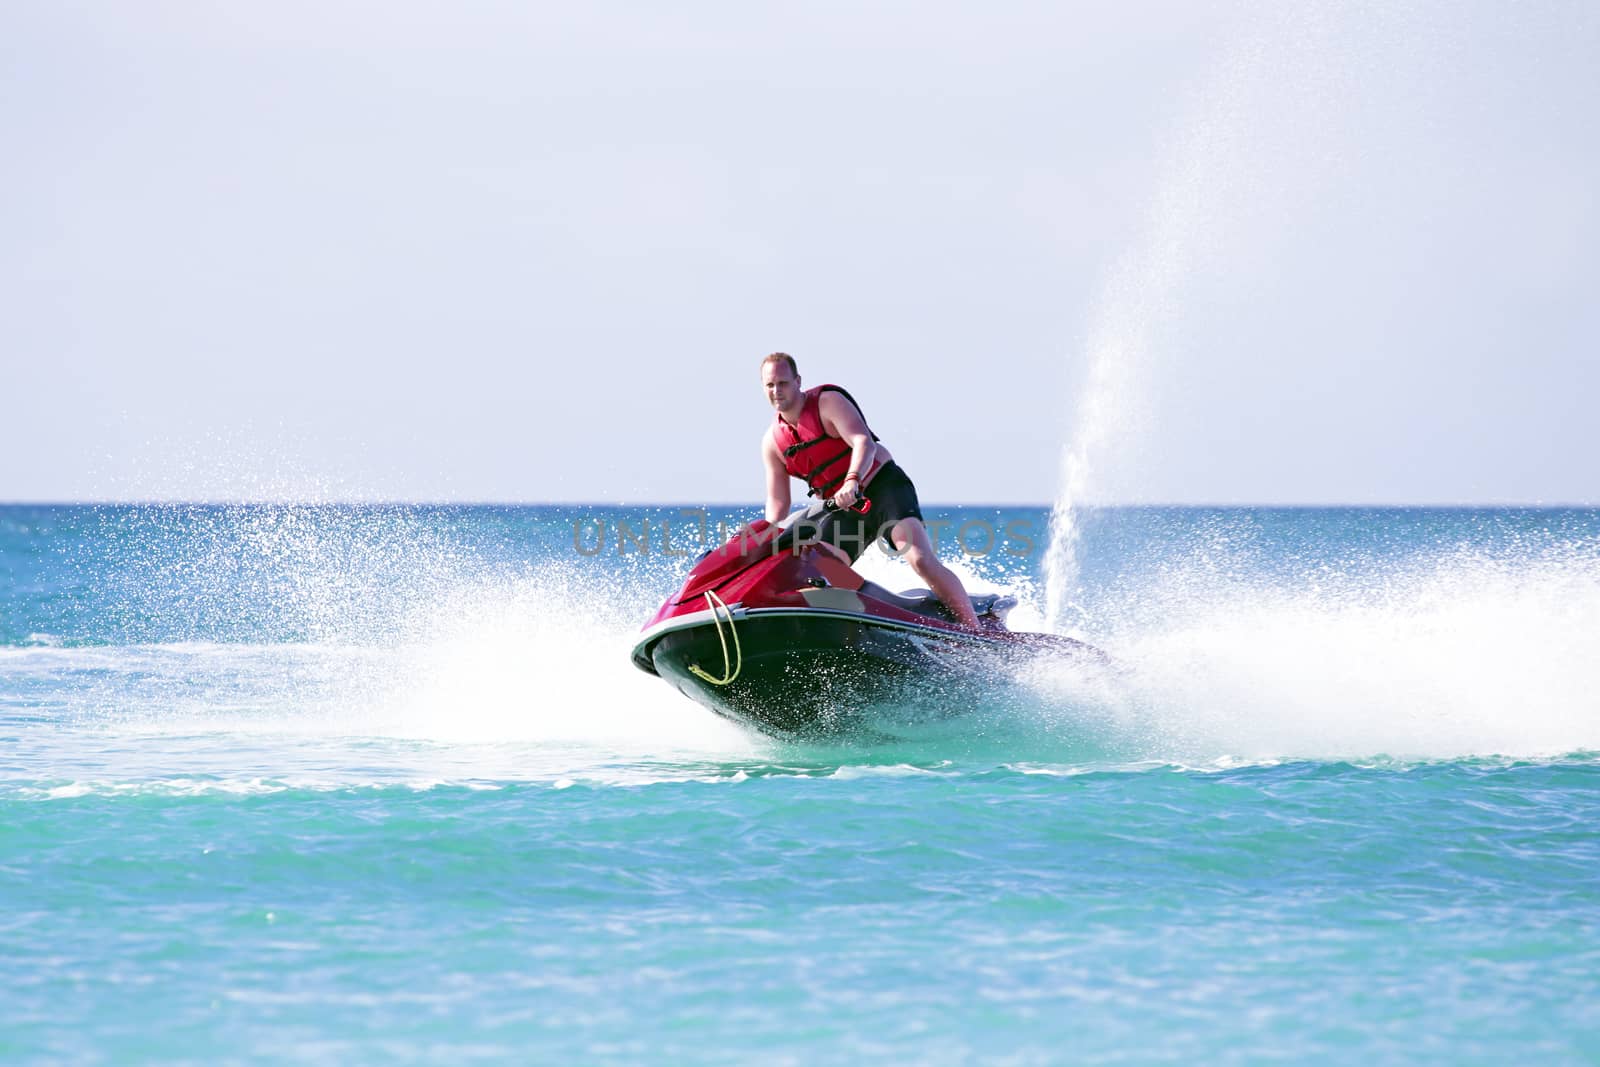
[[810, 454]]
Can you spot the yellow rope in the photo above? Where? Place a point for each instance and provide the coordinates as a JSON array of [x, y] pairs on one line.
[[730, 668]]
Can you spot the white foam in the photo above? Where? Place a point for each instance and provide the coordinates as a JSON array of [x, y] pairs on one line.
[[509, 681], [1466, 655], [854, 771]]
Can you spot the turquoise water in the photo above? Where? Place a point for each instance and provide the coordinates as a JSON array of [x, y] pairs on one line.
[[357, 784]]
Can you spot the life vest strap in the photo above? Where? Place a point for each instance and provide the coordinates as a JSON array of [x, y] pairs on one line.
[[801, 446], [828, 487]]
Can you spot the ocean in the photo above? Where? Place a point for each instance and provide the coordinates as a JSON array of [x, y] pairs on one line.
[[351, 784]]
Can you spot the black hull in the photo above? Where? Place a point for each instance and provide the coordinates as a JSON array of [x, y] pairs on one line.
[[814, 675]]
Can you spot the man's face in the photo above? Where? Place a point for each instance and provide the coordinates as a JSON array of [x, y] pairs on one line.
[[782, 385]]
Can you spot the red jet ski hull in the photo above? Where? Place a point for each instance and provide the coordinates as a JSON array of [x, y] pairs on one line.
[[779, 634]]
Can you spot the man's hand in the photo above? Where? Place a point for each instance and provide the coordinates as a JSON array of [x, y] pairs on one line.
[[847, 494]]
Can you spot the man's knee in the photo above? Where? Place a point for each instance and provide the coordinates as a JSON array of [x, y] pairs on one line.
[[919, 560], [907, 535]]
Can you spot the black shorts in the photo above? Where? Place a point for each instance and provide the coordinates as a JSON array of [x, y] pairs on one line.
[[893, 498]]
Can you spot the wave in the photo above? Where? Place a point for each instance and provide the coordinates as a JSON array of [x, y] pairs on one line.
[[1225, 654], [1466, 653]]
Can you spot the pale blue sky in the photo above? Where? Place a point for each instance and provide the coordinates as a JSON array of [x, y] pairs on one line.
[[506, 251]]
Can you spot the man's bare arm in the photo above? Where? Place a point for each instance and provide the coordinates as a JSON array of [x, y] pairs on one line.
[[777, 480], [840, 418]]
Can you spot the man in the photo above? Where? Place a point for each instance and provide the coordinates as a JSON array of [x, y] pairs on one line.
[[821, 437]]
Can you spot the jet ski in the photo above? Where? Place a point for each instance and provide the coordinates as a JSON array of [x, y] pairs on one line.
[[774, 630]]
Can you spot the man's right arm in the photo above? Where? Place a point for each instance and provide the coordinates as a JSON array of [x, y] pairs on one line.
[[777, 479]]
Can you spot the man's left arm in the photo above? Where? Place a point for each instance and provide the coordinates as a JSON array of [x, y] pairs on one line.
[[841, 419]]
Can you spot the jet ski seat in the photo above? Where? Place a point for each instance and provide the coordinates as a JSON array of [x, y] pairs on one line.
[[924, 602]]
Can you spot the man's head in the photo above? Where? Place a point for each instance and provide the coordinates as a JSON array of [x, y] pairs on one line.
[[780, 380]]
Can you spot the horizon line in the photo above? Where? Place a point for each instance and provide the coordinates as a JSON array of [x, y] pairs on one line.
[[1089, 505]]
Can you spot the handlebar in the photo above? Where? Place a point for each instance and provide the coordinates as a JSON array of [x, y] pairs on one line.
[[860, 507], [809, 516]]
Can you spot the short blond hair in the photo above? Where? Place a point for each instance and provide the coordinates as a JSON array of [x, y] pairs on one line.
[[786, 358]]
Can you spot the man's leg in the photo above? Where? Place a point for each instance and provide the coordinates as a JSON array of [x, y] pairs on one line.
[[848, 538], [910, 538]]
